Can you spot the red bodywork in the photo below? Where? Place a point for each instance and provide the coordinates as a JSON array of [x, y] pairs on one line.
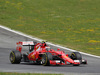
[[40, 48]]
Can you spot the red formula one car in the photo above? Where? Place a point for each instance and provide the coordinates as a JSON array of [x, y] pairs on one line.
[[41, 53]]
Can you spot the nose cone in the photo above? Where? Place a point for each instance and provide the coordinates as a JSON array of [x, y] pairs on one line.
[[66, 58]]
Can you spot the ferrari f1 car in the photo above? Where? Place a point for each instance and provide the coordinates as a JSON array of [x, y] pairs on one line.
[[41, 53]]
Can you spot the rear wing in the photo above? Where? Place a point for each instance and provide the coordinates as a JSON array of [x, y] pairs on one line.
[[31, 45], [25, 43]]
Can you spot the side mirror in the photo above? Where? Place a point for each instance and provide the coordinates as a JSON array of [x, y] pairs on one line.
[[58, 49]]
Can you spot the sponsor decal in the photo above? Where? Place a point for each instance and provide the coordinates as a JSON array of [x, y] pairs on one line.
[[27, 43], [65, 56], [33, 56]]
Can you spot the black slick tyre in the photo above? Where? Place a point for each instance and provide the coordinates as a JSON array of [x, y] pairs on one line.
[[76, 56], [46, 57], [15, 57]]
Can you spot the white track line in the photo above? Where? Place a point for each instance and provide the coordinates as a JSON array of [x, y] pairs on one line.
[[20, 33]]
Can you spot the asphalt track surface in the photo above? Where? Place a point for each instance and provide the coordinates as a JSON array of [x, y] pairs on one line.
[[8, 43]]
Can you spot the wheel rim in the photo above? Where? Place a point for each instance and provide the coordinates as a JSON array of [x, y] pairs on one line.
[[43, 60], [73, 56], [12, 57]]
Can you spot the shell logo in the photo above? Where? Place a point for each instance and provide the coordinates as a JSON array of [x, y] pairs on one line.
[[33, 56], [65, 56]]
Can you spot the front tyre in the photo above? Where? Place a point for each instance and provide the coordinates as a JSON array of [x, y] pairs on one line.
[[76, 56], [15, 57], [46, 57]]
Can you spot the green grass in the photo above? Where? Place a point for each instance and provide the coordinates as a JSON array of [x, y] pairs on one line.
[[11, 73], [71, 23]]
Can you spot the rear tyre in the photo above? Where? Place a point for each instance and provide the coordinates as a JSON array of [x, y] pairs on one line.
[[15, 57], [46, 59], [76, 56]]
